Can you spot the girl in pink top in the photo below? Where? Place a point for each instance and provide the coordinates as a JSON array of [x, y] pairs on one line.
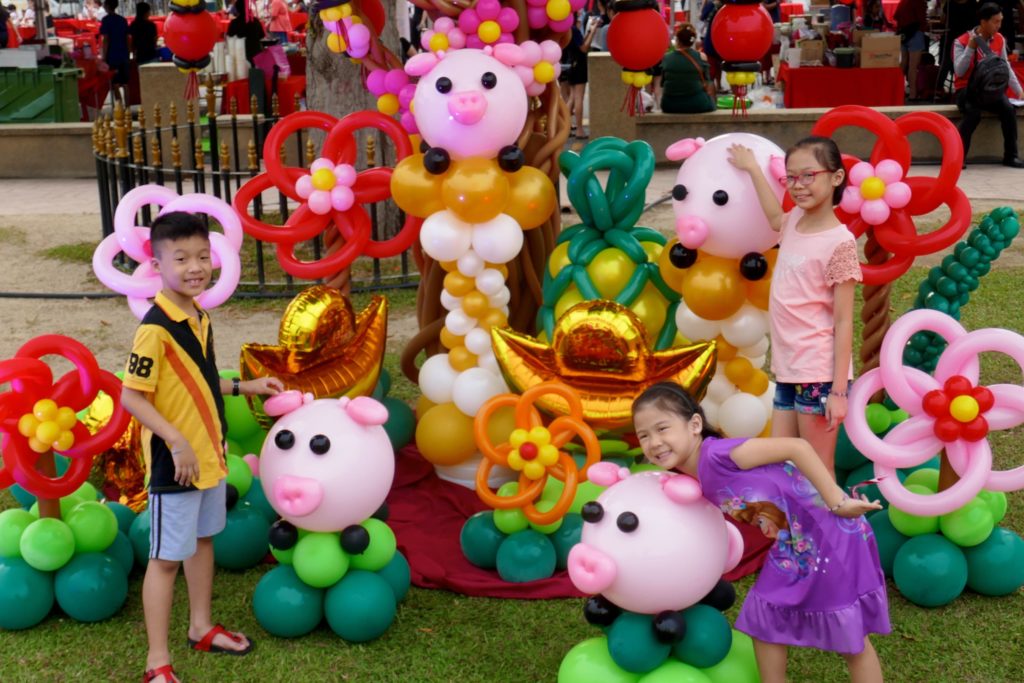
[[811, 301], [280, 22]]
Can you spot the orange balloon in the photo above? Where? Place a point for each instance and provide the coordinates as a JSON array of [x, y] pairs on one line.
[[450, 340], [449, 266], [493, 318], [475, 190], [501, 424], [758, 290], [531, 197], [713, 288], [672, 276], [415, 190], [423, 404], [458, 284], [756, 384], [726, 351], [475, 304], [444, 435], [558, 259], [461, 359]]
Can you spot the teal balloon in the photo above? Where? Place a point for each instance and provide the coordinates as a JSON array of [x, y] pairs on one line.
[[26, 594], [526, 556], [674, 671], [24, 498], [384, 382], [398, 575], [887, 538], [139, 536], [847, 455], [243, 542], [360, 607], [241, 423], [930, 571], [480, 540], [13, 523], [590, 662], [47, 544], [739, 666], [381, 549], [632, 644], [239, 474], [913, 525], [258, 500], [996, 501], [708, 637], [286, 606], [93, 525], [122, 552], [92, 587], [968, 526], [124, 514], [996, 566], [401, 424], [565, 537]]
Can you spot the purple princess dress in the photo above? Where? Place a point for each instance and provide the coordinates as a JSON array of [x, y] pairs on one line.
[[822, 585]]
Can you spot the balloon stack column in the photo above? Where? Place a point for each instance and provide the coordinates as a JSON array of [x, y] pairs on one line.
[[742, 32], [637, 40], [476, 196], [191, 32]]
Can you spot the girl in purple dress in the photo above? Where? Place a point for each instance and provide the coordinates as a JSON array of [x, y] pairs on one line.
[[821, 585]]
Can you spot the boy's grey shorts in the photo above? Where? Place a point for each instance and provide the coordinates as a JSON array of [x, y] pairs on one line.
[[178, 519]]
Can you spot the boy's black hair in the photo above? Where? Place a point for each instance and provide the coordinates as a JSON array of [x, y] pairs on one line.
[[673, 398], [826, 151], [989, 10], [176, 225]]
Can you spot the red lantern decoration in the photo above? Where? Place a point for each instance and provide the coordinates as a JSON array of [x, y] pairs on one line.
[[190, 32], [742, 33], [637, 41]]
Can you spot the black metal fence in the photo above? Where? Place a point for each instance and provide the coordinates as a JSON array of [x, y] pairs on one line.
[[215, 154]]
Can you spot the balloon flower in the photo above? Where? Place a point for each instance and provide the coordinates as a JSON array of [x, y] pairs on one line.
[[874, 191], [949, 411], [557, 15], [488, 23], [133, 240], [347, 33], [347, 194]]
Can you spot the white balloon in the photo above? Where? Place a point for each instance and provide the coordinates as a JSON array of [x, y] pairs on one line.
[[499, 239], [474, 387], [478, 341], [768, 397], [470, 264], [450, 302], [505, 310], [458, 323], [693, 327], [437, 377], [759, 361], [488, 362], [746, 327], [755, 350], [500, 299], [742, 415], [490, 281], [720, 388], [444, 237], [710, 408]]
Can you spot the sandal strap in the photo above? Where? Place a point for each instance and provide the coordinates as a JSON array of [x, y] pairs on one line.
[[207, 640], [167, 671]]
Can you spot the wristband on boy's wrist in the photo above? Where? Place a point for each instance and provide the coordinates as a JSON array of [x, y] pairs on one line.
[[236, 386]]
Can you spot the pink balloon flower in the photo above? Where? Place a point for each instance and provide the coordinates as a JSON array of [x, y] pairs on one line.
[[538, 65], [555, 14], [443, 37], [327, 187], [488, 23], [875, 190]]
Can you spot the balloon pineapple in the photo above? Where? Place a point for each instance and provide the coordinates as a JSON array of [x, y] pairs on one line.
[[477, 197], [722, 266]]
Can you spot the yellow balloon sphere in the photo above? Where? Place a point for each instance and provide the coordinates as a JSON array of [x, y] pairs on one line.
[[501, 424], [458, 284], [27, 425], [544, 72], [414, 189], [449, 266], [331, 14], [672, 275], [493, 318], [450, 340], [726, 351], [531, 197], [569, 298], [558, 9], [444, 435], [475, 190], [346, 12], [626, 77], [45, 409], [387, 104], [962, 408], [610, 271], [438, 41], [423, 404], [756, 384], [558, 259], [461, 359], [489, 31], [37, 445], [65, 441], [872, 188], [653, 250], [475, 304], [335, 43], [324, 179], [652, 309], [712, 288], [739, 370], [47, 431], [66, 418]]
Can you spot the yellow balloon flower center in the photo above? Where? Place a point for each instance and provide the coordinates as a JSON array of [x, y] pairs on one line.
[[872, 188], [533, 453], [438, 42], [335, 43], [489, 31], [558, 9], [544, 72], [324, 179], [964, 408], [387, 104], [48, 427]]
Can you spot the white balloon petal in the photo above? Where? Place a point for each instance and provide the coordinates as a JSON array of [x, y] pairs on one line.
[[742, 415], [746, 327], [450, 302], [500, 299], [710, 408], [444, 237], [755, 350], [499, 239], [478, 341], [720, 388], [470, 264], [437, 377], [693, 327], [474, 387], [490, 281], [458, 323]]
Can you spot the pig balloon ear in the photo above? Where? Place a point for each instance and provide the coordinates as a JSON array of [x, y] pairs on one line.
[[681, 489], [606, 473], [777, 168], [421, 64], [283, 403], [367, 411], [684, 149], [735, 553]]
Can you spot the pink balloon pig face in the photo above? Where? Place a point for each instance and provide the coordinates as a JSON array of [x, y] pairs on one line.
[[715, 203], [469, 104], [327, 464], [652, 542]]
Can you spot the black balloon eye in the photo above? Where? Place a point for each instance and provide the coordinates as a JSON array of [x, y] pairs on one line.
[[489, 80], [444, 85], [681, 257], [720, 197], [679, 192], [627, 522], [284, 439], [592, 512], [319, 444], [753, 266]]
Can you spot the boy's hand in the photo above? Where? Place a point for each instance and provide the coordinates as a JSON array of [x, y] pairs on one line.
[[262, 386], [742, 158], [186, 465]]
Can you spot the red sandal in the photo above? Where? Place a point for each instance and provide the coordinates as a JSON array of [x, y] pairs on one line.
[[206, 643], [167, 671]]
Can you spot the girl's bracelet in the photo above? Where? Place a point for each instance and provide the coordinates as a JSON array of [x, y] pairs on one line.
[[838, 505], [839, 394]]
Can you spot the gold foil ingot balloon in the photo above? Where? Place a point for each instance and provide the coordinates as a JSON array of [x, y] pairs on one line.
[[324, 348], [531, 198], [415, 190], [475, 189], [121, 464], [713, 287], [598, 348]]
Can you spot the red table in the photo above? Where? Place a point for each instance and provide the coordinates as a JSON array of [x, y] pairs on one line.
[[889, 7], [287, 88], [827, 86], [788, 9]]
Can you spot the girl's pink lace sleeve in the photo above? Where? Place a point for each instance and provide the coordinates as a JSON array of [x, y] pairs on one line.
[[844, 264]]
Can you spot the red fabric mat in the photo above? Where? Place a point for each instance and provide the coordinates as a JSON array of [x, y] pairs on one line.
[[828, 86], [427, 514]]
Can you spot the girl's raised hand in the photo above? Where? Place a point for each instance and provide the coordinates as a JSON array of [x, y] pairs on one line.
[[742, 158], [856, 506]]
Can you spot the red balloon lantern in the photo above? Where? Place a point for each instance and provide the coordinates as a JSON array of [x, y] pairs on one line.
[[190, 32], [637, 41], [742, 33]]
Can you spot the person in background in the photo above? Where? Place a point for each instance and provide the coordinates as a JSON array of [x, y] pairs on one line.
[[687, 77], [92, 10], [279, 23], [774, 10], [1009, 26], [115, 53], [251, 30], [874, 16], [5, 18], [143, 35], [911, 21], [28, 17], [574, 87], [707, 15], [958, 16]]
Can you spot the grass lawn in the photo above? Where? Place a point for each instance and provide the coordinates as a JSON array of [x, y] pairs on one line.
[[439, 636]]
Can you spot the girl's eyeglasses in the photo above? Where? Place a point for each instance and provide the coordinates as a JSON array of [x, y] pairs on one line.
[[804, 179]]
